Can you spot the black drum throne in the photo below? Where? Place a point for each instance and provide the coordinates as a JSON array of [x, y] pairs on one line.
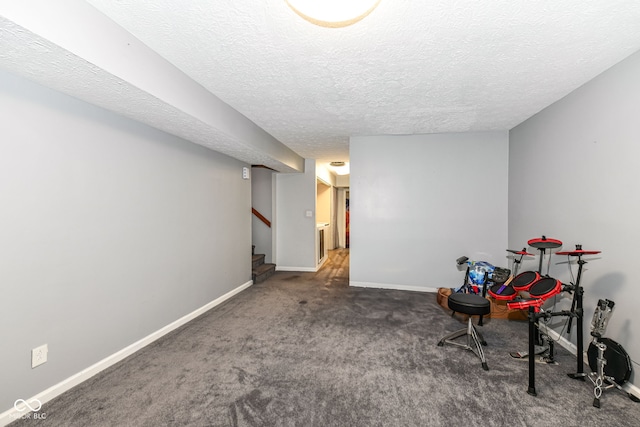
[[471, 305]]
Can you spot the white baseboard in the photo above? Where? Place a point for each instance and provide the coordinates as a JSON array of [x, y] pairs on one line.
[[392, 286], [573, 349], [301, 269], [56, 390]]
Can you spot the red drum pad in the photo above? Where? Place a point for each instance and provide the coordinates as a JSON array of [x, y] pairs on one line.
[[545, 288], [502, 292], [523, 281]]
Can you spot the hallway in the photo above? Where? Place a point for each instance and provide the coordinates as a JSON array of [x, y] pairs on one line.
[[335, 270]]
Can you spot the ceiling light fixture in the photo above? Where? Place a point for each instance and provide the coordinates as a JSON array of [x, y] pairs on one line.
[[333, 13], [339, 168]]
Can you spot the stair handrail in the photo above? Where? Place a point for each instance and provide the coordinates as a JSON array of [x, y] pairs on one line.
[[261, 217]]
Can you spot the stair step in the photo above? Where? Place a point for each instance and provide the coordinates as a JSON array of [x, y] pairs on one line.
[[263, 272], [257, 260]]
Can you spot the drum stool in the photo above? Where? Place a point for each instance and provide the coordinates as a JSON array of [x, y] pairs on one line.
[[471, 305]]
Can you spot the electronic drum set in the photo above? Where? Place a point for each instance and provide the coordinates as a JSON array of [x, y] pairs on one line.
[[610, 364]]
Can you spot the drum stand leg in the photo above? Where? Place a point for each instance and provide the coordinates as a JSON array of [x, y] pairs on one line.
[[535, 342], [533, 330], [532, 362], [579, 292], [474, 341]]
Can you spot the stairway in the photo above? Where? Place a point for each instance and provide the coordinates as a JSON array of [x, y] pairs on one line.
[[259, 270]]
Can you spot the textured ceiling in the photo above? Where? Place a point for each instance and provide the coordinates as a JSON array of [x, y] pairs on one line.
[[409, 67]]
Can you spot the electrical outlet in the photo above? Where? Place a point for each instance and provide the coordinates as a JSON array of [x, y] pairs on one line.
[[39, 355]]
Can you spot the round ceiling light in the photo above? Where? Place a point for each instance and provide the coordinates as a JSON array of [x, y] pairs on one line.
[[333, 13], [339, 168]]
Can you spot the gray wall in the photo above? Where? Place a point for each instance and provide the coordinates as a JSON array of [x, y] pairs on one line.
[[573, 175], [419, 202], [296, 233], [109, 231]]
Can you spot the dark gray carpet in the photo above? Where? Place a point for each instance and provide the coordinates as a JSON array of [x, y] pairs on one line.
[[304, 349]]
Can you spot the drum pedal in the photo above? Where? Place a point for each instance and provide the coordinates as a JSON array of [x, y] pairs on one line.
[[525, 354], [544, 360], [547, 360], [540, 359]]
